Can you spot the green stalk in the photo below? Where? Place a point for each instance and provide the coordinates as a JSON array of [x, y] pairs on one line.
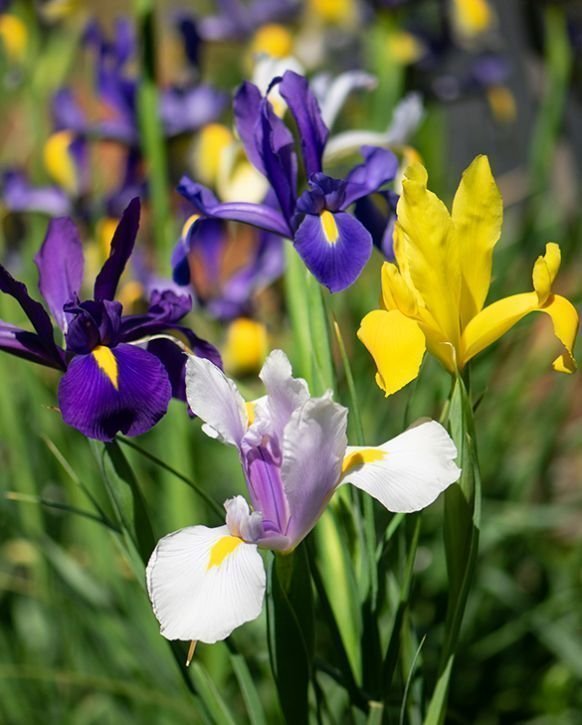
[[298, 308], [150, 126], [461, 533]]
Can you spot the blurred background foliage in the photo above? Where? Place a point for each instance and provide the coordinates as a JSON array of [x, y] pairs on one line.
[[78, 640]]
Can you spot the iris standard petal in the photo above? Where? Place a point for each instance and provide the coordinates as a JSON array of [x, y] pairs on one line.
[[313, 132], [215, 399], [477, 216], [203, 583], [60, 267], [284, 392], [314, 445], [334, 247], [397, 345], [379, 167], [121, 249], [246, 108], [408, 472], [499, 317], [123, 389], [425, 231]]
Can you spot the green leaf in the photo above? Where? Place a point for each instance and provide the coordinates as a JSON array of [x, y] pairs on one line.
[[438, 704], [248, 689]]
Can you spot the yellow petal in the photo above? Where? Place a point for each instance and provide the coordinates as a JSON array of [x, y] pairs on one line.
[[566, 323], [426, 241], [545, 271], [477, 217], [397, 345], [496, 319], [396, 294]]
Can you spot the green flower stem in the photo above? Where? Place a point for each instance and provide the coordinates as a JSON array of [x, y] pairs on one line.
[[461, 532], [150, 126]]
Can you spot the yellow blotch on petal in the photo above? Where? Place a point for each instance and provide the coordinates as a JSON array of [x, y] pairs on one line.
[[59, 163], [329, 227], [397, 345], [502, 103], [246, 346], [405, 48], [107, 363], [13, 37], [223, 548], [335, 12], [472, 17], [212, 142], [359, 458], [273, 40], [188, 223]]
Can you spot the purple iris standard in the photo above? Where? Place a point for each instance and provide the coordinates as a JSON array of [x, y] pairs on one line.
[[333, 244], [120, 372], [183, 108]]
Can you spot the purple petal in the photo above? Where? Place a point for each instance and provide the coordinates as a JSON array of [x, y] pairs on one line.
[[312, 130], [379, 167], [337, 260], [257, 215], [60, 267], [26, 345], [184, 111], [121, 249], [266, 489], [277, 152], [377, 212], [66, 112], [19, 196], [247, 111], [35, 313], [101, 405], [313, 449]]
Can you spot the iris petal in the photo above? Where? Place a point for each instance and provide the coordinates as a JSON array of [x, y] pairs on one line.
[[335, 259], [90, 401]]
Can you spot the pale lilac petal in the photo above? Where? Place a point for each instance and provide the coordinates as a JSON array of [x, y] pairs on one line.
[[215, 399], [313, 450]]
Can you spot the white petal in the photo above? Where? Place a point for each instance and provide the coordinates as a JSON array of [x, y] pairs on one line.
[[215, 400], [284, 393], [338, 90], [414, 469], [195, 598]]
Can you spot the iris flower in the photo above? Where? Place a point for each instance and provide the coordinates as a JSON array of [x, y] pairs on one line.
[[433, 297], [119, 372], [333, 244], [204, 582]]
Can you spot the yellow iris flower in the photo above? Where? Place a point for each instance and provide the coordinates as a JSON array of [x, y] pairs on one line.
[[434, 297]]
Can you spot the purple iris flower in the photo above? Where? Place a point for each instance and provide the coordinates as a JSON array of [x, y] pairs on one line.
[[183, 108], [119, 371], [19, 195], [237, 21], [333, 244], [225, 263]]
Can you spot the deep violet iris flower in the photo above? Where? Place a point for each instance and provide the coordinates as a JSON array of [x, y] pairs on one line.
[[334, 245], [119, 371]]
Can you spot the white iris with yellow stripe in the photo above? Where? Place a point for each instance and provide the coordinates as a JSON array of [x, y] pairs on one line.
[[204, 582]]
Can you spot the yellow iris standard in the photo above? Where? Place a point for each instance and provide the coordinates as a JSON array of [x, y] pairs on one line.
[[434, 297]]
